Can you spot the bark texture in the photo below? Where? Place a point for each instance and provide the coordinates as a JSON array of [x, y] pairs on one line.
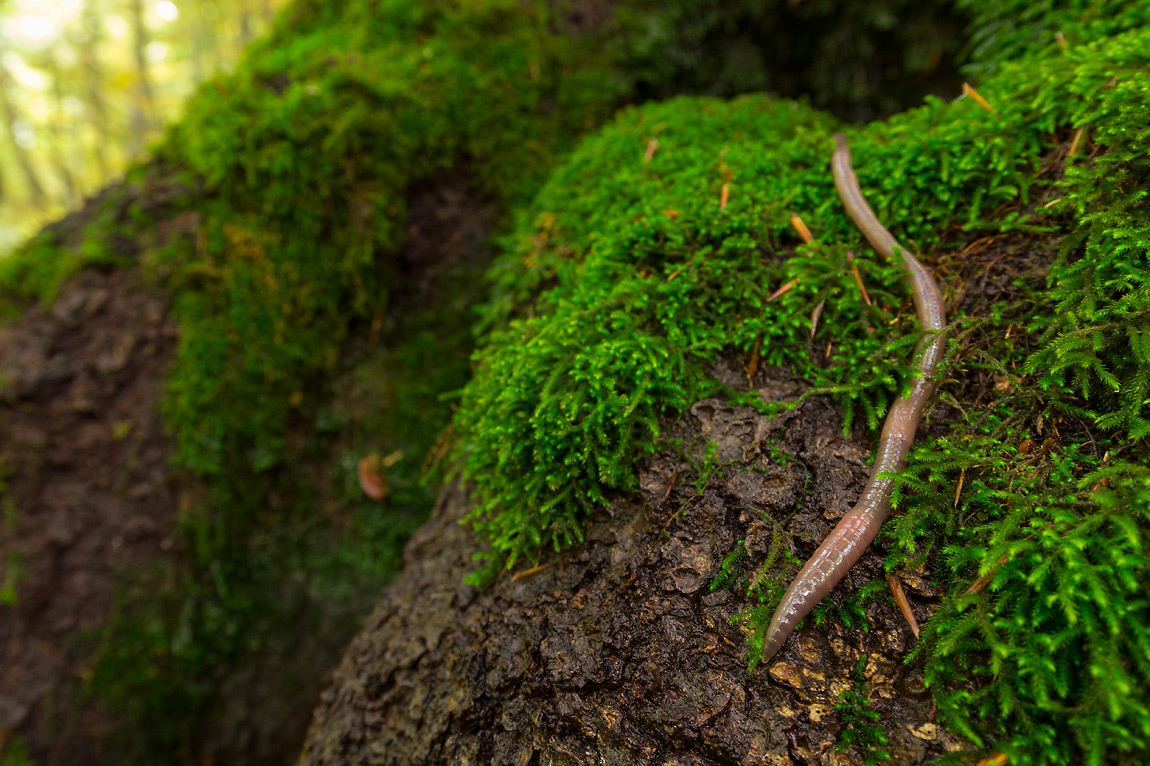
[[617, 652]]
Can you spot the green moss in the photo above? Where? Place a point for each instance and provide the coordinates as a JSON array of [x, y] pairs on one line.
[[37, 269], [862, 727], [14, 753], [1015, 29], [625, 279], [305, 154]]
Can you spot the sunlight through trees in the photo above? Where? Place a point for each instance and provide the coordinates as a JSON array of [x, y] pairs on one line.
[[86, 85]]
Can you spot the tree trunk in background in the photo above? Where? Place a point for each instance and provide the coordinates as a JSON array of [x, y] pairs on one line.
[[11, 117], [94, 83], [60, 138], [144, 105], [246, 33], [201, 34]]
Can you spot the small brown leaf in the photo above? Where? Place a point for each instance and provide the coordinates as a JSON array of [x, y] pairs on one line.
[[371, 479]]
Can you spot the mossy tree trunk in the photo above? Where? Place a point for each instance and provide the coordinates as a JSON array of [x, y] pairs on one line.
[[619, 651], [278, 216]]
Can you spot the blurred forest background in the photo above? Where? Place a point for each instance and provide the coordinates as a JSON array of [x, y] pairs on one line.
[[85, 85]]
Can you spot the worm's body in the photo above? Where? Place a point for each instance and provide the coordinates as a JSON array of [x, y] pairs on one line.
[[846, 543]]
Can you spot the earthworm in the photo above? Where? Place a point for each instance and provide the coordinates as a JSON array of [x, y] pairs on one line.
[[846, 543]]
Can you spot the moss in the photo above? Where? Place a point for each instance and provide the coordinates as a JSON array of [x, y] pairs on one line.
[[37, 269], [862, 727], [301, 159], [1015, 29], [306, 152], [14, 753], [627, 277]]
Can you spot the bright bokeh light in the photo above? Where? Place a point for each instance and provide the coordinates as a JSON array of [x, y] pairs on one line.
[[167, 10], [30, 78], [24, 134], [34, 28], [117, 26], [75, 90], [40, 21], [156, 51]]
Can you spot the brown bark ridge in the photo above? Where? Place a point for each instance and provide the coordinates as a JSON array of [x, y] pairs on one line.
[[617, 651], [85, 496]]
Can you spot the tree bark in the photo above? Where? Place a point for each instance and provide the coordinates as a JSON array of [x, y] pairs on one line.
[[94, 84], [144, 105], [58, 127], [617, 651]]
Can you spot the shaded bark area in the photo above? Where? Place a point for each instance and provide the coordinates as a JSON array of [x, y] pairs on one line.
[[617, 651], [87, 496], [88, 503]]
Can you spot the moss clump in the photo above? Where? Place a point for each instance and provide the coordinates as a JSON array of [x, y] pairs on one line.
[[1002, 31], [627, 277], [639, 314], [306, 153]]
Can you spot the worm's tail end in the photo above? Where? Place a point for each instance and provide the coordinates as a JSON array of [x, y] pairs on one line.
[[777, 635], [791, 609]]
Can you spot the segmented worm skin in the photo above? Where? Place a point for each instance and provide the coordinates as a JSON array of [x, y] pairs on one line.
[[846, 543]]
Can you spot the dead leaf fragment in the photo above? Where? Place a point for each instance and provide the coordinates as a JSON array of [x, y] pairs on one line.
[[371, 478]]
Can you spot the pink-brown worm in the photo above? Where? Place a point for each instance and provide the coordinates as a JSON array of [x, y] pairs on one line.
[[857, 529]]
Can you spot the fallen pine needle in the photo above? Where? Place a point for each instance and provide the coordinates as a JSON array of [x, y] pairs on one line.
[[980, 584], [858, 277], [783, 290], [1075, 142], [531, 571], [978, 99], [801, 228], [818, 312], [753, 364], [902, 601]]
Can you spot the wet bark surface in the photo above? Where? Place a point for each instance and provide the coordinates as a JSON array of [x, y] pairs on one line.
[[86, 496], [88, 501], [618, 651]]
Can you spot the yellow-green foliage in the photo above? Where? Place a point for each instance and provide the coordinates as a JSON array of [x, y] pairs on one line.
[[647, 281]]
